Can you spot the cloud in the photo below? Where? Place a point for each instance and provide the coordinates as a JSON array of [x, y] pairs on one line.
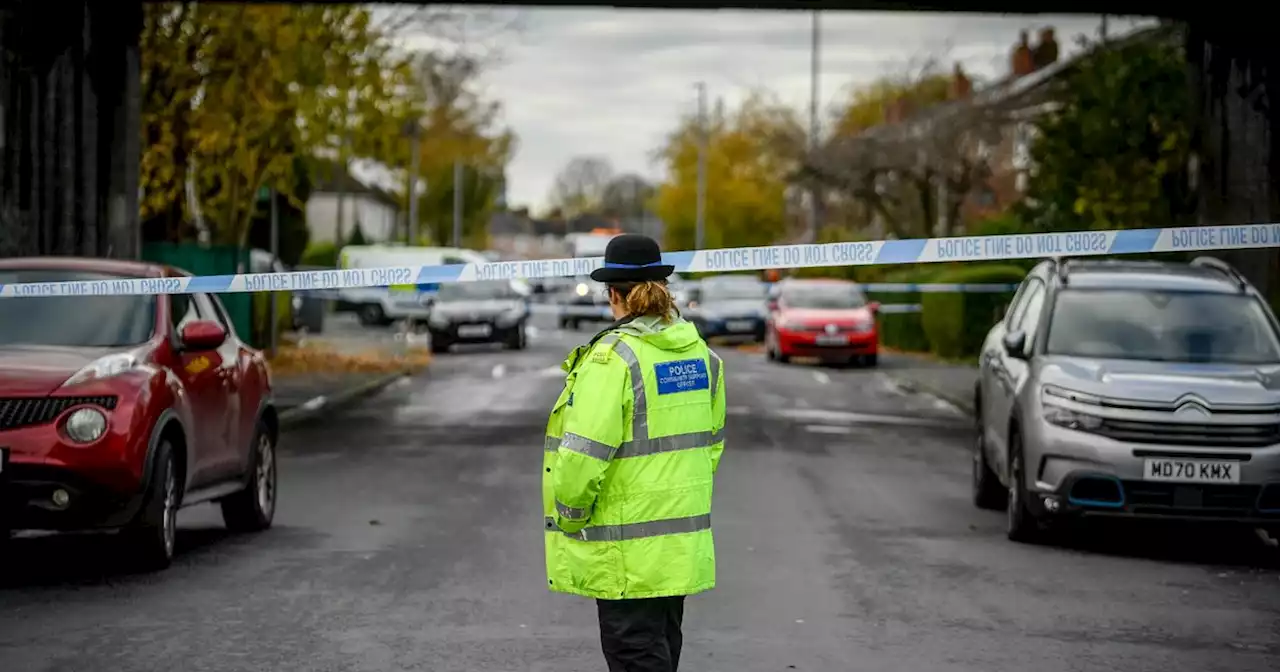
[[614, 82]]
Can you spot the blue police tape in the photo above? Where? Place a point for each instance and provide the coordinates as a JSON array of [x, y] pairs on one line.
[[915, 251]]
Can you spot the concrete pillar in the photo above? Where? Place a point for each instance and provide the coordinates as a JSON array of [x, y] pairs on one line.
[[1235, 76], [69, 128]]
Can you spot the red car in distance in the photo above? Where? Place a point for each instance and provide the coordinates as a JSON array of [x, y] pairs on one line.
[[827, 319], [116, 411]]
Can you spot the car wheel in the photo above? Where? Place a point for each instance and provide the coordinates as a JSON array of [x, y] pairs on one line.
[[371, 315], [987, 491], [253, 508], [1021, 524], [870, 360], [153, 535], [517, 339], [439, 346]]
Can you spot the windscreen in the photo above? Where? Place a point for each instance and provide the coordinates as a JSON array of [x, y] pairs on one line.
[[833, 296], [80, 321], [1162, 326], [476, 291], [733, 291]]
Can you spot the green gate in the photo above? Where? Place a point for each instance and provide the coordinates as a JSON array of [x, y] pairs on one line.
[[220, 260]]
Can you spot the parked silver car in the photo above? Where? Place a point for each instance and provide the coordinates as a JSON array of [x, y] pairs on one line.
[[1130, 389]]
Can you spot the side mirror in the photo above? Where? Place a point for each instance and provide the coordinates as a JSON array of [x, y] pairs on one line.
[[874, 307], [202, 335], [1015, 343], [772, 304]]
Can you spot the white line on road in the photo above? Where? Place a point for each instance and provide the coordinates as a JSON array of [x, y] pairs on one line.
[[499, 370], [314, 403], [821, 377], [828, 429]]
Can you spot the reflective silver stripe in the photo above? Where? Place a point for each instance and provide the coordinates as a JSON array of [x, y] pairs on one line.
[[715, 372], [640, 409], [550, 443], [570, 512], [588, 447], [656, 528], [666, 444]]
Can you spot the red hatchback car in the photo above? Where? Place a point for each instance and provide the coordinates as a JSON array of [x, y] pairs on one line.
[[116, 411], [828, 319]]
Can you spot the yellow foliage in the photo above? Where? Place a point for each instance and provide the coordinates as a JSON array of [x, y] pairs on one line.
[[866, 106], [751, 153], [234, 94]]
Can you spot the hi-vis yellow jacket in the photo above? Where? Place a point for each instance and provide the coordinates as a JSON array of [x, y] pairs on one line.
[[631, 450]]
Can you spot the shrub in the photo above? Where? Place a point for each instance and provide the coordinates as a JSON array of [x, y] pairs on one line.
[[904, 331], [957, 323], [323, 254]]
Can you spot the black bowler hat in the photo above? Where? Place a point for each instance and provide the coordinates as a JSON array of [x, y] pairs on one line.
[[632, 257]]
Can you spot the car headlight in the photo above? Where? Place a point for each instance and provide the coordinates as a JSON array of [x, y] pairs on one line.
[[105, 367], [583, 289], [437, 320], [787, 324], [1052, 398], [864, 326], [85, 425]]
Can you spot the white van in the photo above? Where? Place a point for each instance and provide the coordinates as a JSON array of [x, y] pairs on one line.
[[385, 305]]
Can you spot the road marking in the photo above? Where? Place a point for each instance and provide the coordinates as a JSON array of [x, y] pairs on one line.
[[828, 429], [314, 403], [499, 370], [552, 372], [821, 377]]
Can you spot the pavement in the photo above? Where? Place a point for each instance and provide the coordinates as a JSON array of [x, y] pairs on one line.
[[408, 537]]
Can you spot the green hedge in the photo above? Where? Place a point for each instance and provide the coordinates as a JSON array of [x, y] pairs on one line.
[[904, 331], [955, 324]]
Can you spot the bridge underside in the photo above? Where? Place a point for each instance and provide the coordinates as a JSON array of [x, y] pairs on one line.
[[69, 127], [69, 113]]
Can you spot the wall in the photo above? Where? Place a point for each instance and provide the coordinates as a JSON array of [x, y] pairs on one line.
[[377, 219]]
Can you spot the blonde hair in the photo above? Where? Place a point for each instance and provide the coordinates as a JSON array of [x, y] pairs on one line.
[[650, 297]]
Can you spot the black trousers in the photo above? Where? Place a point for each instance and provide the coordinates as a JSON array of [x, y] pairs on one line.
[[642, 635]]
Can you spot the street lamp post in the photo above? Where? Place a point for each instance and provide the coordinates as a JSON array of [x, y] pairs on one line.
[[701, 214], [814, 127], [415, 160]]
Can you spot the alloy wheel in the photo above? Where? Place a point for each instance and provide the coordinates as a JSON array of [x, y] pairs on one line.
[[266, 476]]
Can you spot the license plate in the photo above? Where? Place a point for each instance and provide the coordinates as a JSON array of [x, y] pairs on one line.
[[1172, 470], [740, 325], [826, 339], [473, 330]]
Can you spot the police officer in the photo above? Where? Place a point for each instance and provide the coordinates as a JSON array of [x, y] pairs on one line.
[[632, 447]]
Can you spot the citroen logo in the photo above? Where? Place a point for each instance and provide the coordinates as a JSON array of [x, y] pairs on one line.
[[1191, 407], [831, 328]]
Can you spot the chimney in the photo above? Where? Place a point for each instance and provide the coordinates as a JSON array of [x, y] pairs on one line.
[[1046, 52], [961, 85], [1022, 62]]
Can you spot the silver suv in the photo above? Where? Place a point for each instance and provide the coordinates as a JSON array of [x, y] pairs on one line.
[[1130, 389]]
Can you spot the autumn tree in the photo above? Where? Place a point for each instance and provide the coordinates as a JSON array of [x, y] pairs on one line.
[[915, 168], [1115, 154], [751, 152], [580, 186], [233, 95], [456, 125], [626, 196]]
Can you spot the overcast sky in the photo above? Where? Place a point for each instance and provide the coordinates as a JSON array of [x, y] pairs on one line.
[[613, 82]]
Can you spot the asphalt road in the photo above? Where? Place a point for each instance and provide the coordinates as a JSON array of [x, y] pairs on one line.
[[409, 537]]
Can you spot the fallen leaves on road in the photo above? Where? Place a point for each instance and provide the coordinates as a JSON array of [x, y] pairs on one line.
[[304, 359]]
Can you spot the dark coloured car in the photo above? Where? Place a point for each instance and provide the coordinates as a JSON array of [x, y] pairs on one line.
[[116, 411], [733, 306], [478, 312]]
